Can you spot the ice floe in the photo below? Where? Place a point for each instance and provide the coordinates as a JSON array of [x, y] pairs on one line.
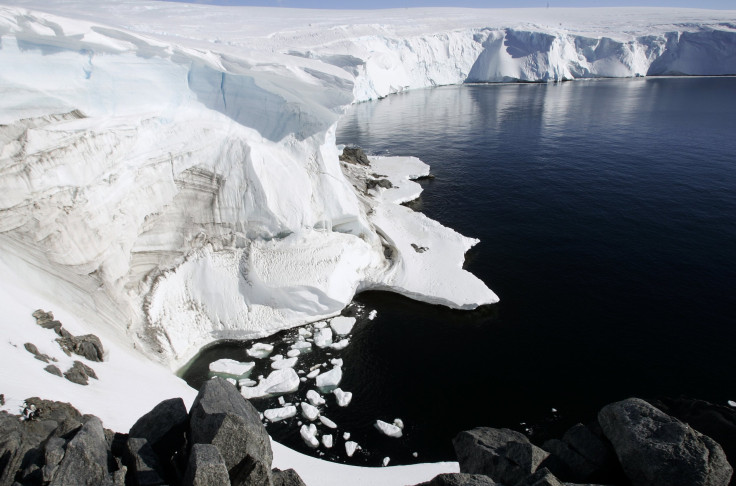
[[260, 350], [327, 422], [372, 315], [278, 414], [342, 344], [278, 382], [309, 412], [342, 325], [327, 441], [385, 461], [329, 379], [315, 398], [390, 430], [231, 367], [323, 337], [343, 398], [309, 434], [280, 364], [351, 447]]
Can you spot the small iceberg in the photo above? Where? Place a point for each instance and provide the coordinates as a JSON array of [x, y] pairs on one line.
[[327, 422], [390, 430], [330, 379], [281, 364], [342, 325], [231, 367], [309, 412], [315, 398], [260, 350], [279, 382], [351, 447], [278, 414], [309, 434], [327, 441], [343, 397]]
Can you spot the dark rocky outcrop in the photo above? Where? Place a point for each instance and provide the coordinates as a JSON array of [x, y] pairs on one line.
[[206, 467], [51, 443], [289, 477], [504, 455], [31, 348], [656, 449], [461, 479], [222, 417], [54, 370], [80, 373], [88, 345], [373, 183], [581, 456], [354, 155], [165, 427]]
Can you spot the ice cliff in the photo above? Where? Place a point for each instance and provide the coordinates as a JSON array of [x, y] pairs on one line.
[[169, 174]]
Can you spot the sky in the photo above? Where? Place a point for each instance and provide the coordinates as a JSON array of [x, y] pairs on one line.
[[373, 4]]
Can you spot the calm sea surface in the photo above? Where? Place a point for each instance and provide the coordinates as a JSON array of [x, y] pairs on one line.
[[606, 212]]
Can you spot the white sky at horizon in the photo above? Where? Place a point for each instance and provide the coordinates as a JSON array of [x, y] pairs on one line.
[[377, 4]]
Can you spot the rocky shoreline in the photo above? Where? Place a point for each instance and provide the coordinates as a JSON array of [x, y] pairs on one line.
[[222, 440]]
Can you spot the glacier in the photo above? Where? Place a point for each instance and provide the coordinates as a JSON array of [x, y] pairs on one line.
[[169, 175]]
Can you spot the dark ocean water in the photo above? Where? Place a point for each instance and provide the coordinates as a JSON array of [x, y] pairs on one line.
[[606, 212]]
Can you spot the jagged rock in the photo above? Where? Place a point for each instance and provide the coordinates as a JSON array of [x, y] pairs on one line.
[[716, 421], [31, 348], [79, 373], [656, 449], [222, 417], [165, 429], [88, 346], [354, 155], [85, 459], [288, 477], [460, 479], [580, 456], [53, 453], [54, 370], [206, 467], [542, 477], [142, 464], [505, 455], [66, 343]]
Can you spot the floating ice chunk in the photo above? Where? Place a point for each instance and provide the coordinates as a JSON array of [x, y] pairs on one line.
[[372, 315], [415, 454], [284, 363], [309, 412], [386, 460], [309, 434], [232, 381], [399, 423], [302, 346], [320, 325], [277, 357], [315, 398], [390, 430], [278, 382], [247, 382], [327, 441], [342, 344], [731, 403], [278, 414], [282, 402], [329, 379], [346, 436], [342, 325], [343, 397], [336, 362], [327, 422], [303, 379], [323, 337], [293, 353], [314, 373], [231, 367], [305, 332], [260, 350], [351, 447]]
